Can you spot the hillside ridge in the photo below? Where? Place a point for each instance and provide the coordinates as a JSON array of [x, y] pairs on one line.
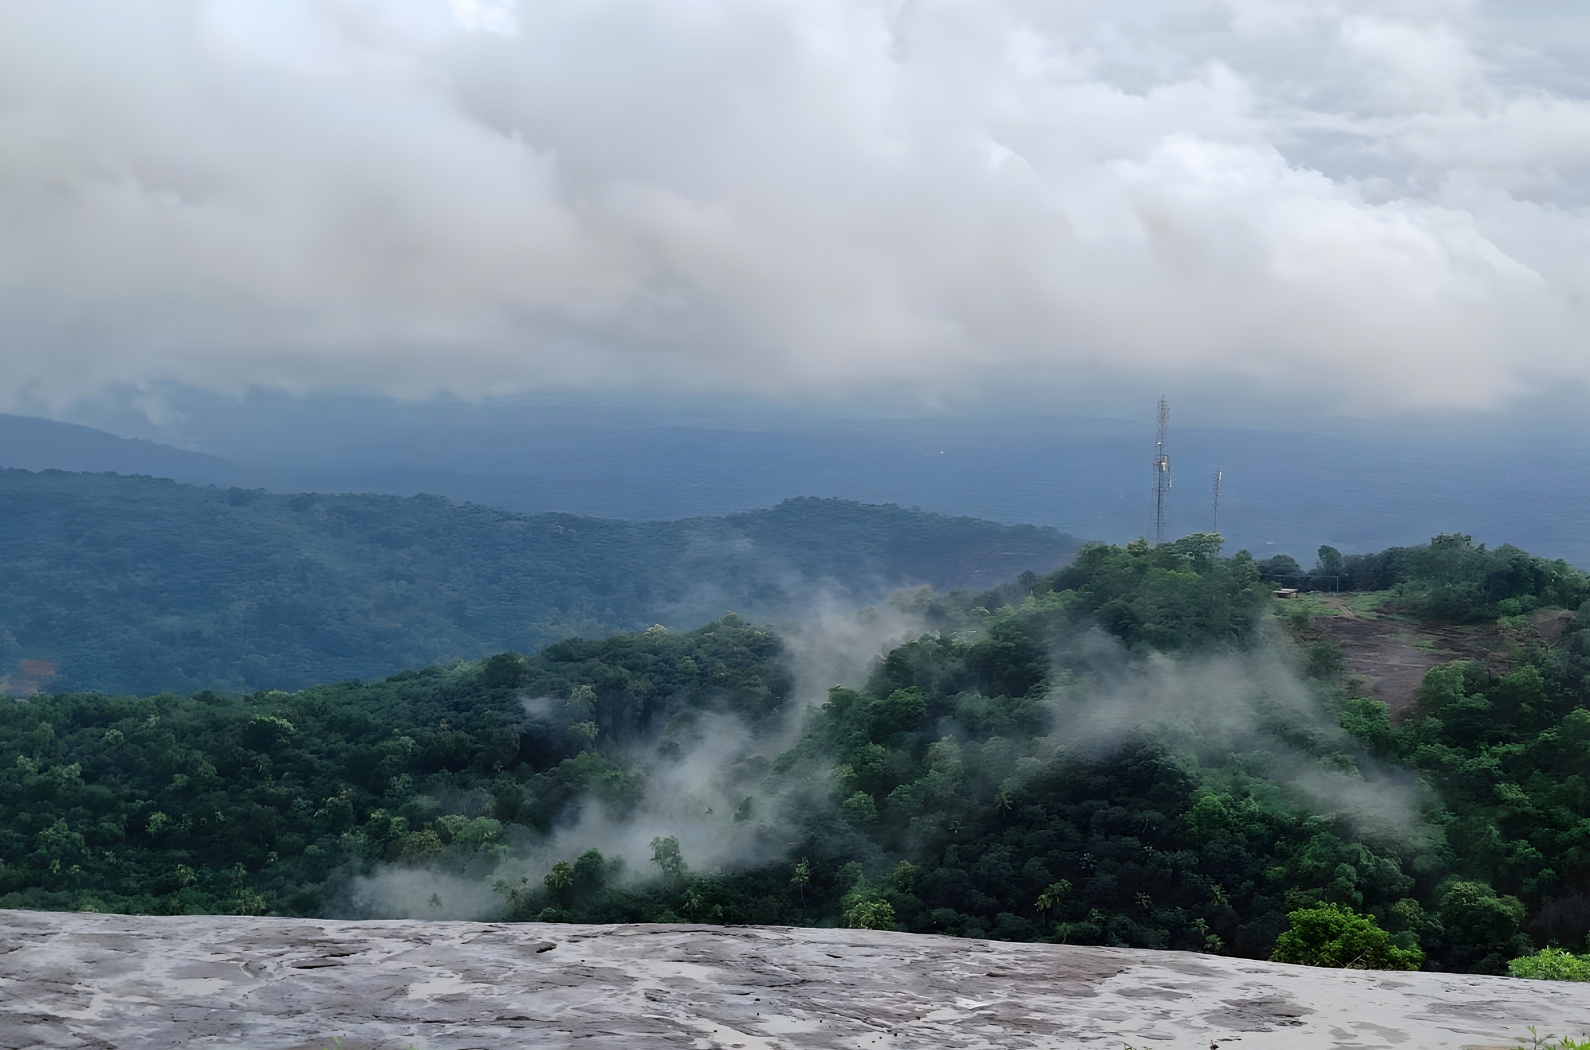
[[136, 584], [30, 443]]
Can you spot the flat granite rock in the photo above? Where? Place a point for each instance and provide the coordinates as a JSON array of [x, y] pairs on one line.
[[136, 982]]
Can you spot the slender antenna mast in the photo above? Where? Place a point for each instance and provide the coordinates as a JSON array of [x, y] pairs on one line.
[[1161, 474], [1217, 496]]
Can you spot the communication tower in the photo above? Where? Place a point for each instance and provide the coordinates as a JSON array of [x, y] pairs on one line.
[[1216, 527], [1161, 474]]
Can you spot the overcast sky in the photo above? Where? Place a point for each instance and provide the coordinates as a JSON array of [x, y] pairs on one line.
[[939, 201]]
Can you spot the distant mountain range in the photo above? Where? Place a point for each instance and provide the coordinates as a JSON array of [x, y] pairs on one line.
[[43, 444], [1357, 487], [135, 584]]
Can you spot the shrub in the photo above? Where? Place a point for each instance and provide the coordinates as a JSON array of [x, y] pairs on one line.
[[1331, 935], [865, 909], [1551, 964], [870, 915]]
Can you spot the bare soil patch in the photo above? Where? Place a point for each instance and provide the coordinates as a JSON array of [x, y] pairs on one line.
[[30, 677], [1391, 653]]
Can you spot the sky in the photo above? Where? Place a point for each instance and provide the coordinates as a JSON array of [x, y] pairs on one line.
[[1383, 207]]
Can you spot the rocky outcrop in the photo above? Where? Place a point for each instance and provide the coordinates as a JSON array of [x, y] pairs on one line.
[[83, 980]]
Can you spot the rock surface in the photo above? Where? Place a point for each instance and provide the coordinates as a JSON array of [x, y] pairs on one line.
[[82, 980]]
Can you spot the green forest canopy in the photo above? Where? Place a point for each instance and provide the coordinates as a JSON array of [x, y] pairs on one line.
[[135, 584], [935, 796], [1450, 578]]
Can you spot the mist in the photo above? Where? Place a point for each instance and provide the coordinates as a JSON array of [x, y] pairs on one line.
[[1250, 703], [707, 773], [710, 785]]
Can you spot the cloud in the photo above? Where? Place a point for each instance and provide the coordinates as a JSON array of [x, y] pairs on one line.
[[486, 16], [715, 762], [1383, 203], [1214, 707]]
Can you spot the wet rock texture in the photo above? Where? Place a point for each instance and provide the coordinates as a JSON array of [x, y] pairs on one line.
[[76, 980]]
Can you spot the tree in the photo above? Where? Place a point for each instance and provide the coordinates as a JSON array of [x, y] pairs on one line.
[[865, 909], [1281, 565], [262, 732], [590, 872], [1475, 915], [1330, 562], [1052, 896], [559, 882], [873, 914], [665, 854], [1331, 935], [860, 809], [801, 879]]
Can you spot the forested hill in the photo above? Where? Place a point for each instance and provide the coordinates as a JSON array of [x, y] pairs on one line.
[[136, 584], [1127, 751]]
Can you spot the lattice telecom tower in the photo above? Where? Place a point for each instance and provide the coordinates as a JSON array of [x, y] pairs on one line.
[[1161, 474], [1217, 498]]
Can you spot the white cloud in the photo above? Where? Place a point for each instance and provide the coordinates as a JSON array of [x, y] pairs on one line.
[[486, 16], [1383, 201]]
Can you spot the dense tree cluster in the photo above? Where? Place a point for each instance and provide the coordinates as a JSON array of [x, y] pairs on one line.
[[1450, 578], [1510, 755], [941, 794], [208, 803]]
